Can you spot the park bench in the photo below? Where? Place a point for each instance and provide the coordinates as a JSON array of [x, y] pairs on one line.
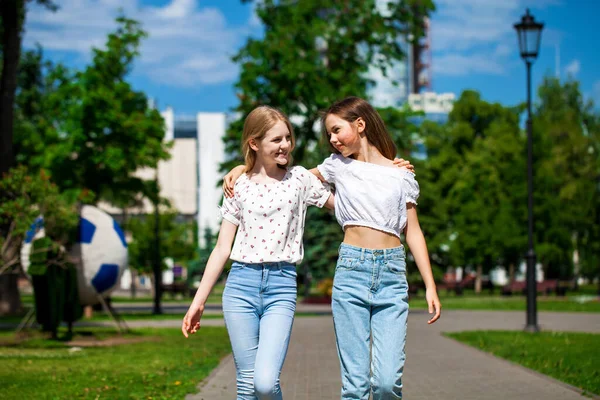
[[547, 286], [176, 287]]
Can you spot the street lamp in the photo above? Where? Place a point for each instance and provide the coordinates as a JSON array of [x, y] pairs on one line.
[[529, 32]]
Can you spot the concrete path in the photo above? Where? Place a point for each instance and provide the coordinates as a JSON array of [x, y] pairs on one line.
[[436, 367]]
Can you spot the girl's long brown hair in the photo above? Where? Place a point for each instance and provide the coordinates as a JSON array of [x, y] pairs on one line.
[[257, 124], [352, 108]]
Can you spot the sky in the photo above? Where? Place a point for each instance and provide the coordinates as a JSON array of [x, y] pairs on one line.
[[185, 62]]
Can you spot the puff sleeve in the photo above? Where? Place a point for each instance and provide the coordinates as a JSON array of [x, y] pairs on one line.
[[316, 192], [329, 166], [230, 210], [411, 187]]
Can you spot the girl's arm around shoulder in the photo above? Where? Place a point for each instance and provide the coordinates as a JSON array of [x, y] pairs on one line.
[[316, 193], [214, 267], [329, 168], [330, 203], [315, 172], [230, 179], [416, 242]]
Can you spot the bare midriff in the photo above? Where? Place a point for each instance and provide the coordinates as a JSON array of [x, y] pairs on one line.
[[369, 238]]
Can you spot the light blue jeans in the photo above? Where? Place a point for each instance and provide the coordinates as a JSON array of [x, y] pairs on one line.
[[259, 302], [370, 310]]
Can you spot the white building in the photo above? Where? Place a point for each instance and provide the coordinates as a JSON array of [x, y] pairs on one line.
[[432, 103]]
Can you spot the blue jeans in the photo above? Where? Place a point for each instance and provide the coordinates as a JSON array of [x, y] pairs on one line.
[[370, 310], [259, 302]]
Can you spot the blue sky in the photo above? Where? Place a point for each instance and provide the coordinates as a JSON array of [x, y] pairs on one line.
[[185, 62]]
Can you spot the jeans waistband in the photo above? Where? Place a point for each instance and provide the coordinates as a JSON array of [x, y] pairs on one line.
[[274, 265], [348, 250]]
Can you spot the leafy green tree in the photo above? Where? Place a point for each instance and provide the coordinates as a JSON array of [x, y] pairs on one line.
[[176, 240], [315, 52], [88, 128], [474, 192], [34, 130], [26, 196], [472, 198], [566, 177], [109, 129]]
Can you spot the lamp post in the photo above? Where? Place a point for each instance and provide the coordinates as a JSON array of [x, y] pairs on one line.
[[529, 32]]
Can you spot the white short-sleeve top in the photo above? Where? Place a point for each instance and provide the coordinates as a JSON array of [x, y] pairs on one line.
[[270, 216], [370, 195]]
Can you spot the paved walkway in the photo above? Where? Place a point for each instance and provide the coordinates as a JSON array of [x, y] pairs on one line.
[[436, 367]]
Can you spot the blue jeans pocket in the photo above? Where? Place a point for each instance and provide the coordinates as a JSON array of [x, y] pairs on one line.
[[237, 266], [396, 266], [288, 271], [346, 263]]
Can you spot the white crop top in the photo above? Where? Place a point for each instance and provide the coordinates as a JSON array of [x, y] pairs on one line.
[[270, 216], [370, 195]]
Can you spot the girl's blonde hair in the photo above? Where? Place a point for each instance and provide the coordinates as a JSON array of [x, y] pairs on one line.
[[352, 108], [257, 124]]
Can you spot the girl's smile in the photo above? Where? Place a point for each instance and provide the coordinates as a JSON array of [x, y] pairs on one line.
[[276, 145]]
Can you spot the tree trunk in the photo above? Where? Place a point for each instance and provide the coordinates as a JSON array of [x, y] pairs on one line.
[[10, 298], [12, 13], [511, 272], [157, 264], [478, 279], [133, 283]]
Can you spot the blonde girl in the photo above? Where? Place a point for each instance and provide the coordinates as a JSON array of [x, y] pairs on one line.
[[266, 219]]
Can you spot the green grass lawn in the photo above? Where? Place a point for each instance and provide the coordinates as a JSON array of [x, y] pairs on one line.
[[514, 303], [166, 366], [568, 357]]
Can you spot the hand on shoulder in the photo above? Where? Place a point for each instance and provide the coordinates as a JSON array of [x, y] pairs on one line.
[[404, 164]]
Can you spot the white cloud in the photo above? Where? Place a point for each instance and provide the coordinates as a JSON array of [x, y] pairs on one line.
[[458, 65], [573, 68], [477, 36], [187, 45], [254, 21]]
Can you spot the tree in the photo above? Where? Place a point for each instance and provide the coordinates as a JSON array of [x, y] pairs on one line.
[[313, 53], [27, 197], [472, 195], [566, 177], [12, 20], [89, 129], [176, 241], [34, 130], [33, 133], [108, 130], [473, 204]]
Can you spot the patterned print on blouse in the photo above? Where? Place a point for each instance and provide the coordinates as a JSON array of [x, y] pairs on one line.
[[270, 216]]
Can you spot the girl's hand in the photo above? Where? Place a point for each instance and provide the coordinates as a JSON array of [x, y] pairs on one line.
[[230, 178], [402, 163], [191, 321], [433, 303]]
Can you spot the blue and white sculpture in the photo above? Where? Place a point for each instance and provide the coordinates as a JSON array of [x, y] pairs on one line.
[[101, 251]]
